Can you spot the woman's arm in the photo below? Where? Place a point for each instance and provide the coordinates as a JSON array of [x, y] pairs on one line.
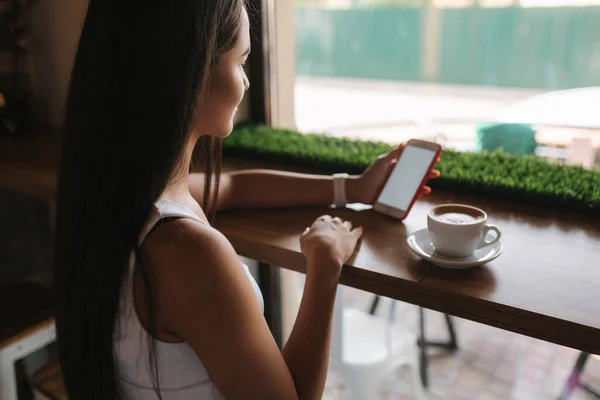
[[268, 188], [306, 351], [212, 306]]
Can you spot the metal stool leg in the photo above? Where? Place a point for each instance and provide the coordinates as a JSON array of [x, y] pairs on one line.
[[574, 379], [270, 286], [424, 360], [451, 344], [374, 305]]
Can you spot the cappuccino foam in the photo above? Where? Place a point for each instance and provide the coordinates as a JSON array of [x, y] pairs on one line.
[[456, 218], [457, 214]]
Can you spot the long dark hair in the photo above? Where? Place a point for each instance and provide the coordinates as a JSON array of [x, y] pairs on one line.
[[139, 68]]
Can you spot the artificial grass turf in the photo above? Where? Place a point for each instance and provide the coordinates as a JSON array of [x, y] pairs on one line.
[[526, 180]]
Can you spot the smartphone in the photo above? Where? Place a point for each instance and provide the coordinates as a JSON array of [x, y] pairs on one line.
[[407, 178]]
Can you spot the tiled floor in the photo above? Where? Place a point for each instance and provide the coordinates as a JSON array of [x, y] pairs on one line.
[[491, 364]]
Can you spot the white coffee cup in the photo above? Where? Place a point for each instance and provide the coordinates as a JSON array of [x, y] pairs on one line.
[[458, 230]]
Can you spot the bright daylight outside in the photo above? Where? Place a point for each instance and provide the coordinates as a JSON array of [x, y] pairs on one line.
[[473, 75], [522, 76]]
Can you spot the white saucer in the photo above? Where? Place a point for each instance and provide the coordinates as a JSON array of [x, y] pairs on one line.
[[420, 243]]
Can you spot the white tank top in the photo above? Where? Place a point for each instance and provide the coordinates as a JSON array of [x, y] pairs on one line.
[[181, 374]]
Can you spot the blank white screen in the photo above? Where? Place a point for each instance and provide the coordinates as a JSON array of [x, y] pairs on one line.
[[406, 177]]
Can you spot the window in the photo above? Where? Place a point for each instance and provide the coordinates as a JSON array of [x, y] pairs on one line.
[[521, 75]]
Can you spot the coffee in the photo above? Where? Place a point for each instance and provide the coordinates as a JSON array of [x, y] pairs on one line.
[[458, 230], [457, 215]]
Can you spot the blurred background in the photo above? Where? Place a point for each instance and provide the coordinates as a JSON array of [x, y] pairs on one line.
[[523, 75]]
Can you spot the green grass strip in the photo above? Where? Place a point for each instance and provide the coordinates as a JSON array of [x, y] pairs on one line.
[[525, 180]]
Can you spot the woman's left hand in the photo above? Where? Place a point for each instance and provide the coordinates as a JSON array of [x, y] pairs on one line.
[[366, 187]]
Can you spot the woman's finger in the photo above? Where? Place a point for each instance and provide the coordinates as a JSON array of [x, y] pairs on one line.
[[425, 190], [394, 154], [348, 225], [397, 151], [433, 174], [390, 166]]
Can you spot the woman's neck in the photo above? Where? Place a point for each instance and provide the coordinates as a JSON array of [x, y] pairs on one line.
[[178, 186]]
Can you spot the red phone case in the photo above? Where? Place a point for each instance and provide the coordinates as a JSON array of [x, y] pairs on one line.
[[423, 182]]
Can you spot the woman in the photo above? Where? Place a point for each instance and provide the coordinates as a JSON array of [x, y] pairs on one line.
[[152, 302]]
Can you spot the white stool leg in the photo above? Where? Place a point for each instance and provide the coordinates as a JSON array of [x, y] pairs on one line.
[[362, 383], [8, 378], [32, 341], [359, 390]]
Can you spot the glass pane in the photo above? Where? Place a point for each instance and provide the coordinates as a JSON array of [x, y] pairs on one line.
[[521, 75]]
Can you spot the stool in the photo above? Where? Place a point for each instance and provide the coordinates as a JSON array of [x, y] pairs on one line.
[[423, 343], [48, 384], [26, 325], [366, 349]]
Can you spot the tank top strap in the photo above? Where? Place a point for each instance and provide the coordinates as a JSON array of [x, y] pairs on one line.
[[164, 211]]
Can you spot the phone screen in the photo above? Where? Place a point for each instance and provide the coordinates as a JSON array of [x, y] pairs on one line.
[[406, 177]]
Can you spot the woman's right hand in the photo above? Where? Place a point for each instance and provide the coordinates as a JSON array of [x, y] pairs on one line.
[[328, 244]]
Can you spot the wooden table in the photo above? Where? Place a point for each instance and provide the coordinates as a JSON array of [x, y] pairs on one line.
[[546, 284]]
